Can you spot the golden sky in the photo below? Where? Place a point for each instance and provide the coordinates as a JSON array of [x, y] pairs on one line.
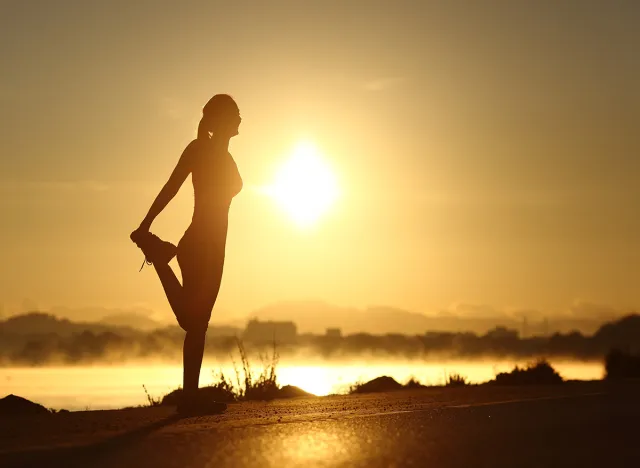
[[485, 152]]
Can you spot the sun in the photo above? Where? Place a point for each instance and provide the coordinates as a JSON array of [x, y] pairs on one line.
[[304, 186]]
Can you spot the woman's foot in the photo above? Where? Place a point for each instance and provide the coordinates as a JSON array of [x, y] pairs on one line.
[[155, 249]]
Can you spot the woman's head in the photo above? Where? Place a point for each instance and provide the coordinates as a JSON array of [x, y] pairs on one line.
[[220, 117]]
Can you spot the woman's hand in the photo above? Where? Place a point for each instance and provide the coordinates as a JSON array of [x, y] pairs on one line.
[[139, 233]]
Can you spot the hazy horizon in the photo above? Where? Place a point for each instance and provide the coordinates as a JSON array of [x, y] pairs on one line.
[[318, 316], [485, 156]]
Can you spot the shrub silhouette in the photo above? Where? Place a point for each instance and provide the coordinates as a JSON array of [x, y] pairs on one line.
[[151, 400], [621, 365], [456, 380], [265, 386], [412, 383], [537, 373]]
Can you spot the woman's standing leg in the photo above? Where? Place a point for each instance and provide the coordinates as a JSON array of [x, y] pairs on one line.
[[200, 290], [192, 354]]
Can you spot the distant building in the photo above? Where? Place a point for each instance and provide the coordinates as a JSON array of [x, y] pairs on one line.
[[502, 333], [333, 333], [267, 332]]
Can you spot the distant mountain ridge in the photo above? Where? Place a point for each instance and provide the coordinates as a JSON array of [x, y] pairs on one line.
[[317, 316], [135, 317], [39, 323], [131, 320]]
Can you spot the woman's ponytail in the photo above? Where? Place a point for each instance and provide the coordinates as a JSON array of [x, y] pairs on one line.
[[203, 131]]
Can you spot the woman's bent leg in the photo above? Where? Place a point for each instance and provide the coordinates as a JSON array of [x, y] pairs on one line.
[[172, 288]]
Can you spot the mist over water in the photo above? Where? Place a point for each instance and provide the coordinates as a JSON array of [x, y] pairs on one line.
[[108, 387]]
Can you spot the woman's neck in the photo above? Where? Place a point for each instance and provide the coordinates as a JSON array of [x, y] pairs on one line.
[[220, 143]]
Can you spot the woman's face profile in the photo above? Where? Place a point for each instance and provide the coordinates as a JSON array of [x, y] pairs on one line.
[[235, 123], [230, 123]]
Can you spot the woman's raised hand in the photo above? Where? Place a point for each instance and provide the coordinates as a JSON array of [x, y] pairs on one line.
[[139, 233]]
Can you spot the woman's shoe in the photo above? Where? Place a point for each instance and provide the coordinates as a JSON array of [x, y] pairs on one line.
[[155, 249]]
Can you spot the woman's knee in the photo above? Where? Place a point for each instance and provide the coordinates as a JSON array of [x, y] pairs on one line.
[[199, 300], [194, 325], [196, 318], [197, 332]]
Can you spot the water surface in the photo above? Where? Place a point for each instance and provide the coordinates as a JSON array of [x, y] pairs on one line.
[[104, 387]]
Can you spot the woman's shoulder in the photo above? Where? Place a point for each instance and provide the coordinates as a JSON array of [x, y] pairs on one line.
[[196, 148], [196, 144]]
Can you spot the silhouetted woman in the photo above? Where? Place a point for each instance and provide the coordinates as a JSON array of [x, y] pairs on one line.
[[200, 252]]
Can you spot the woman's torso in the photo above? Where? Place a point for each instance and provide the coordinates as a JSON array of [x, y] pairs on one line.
[[216, 181]]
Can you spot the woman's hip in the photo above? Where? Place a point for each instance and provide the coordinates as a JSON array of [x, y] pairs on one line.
[[202, 255]]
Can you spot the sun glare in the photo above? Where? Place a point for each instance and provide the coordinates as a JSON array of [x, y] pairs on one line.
[[312, 379], [305, 187]]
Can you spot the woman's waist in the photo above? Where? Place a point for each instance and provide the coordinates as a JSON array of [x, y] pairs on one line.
[[210, 216], [207, 228]]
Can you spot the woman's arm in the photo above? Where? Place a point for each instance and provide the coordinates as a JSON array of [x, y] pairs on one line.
[[170, 189]]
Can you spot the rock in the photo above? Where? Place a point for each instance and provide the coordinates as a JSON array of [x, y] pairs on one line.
[[379, 384], [290, 391], [13, 405], [172, 398]]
